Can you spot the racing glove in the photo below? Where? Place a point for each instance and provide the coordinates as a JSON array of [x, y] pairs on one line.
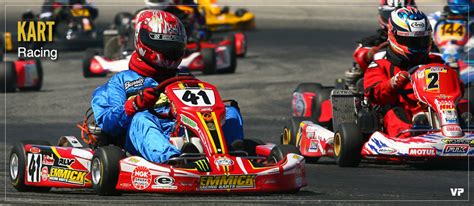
[[400, 80], [146, 99]]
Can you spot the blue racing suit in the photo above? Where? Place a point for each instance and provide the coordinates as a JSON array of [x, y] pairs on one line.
[[145, 134]]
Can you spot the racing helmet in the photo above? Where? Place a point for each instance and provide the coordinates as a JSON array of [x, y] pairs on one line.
[[158, 4], [409, 33], [461, 6], [387, 6], [160, 39]]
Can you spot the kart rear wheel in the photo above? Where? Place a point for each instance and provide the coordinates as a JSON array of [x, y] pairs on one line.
[[17, 167], [105, 170], [8, 78], [232, 56], [39, 72], [86, 63], [322, 93], [279, 153], [348, 141], [209, 60]]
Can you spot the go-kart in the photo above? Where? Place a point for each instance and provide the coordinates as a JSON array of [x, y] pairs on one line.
[[207, 56], [73, 29], [22, 74], [208, 164], [347, 127], [222, 19]]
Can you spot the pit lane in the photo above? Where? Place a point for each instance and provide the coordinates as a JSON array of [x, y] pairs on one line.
[[298, 41]]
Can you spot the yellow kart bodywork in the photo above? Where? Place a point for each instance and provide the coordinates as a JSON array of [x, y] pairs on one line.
[[218, 21]]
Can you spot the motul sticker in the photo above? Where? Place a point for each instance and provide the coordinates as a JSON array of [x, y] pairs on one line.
[[141, 177], [422, 152]]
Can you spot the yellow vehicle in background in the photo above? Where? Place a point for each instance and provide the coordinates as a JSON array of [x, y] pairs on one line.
[[221, 19]]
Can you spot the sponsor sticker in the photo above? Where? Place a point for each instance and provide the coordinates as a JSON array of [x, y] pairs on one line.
[[422, 152], [58, 174], [44, 174], [163, 182], [387, 150], [227, 182], [65, 162], [188, 122], [135, 83], [35, 150], [313, 145], [459, 141], [224, 161], [141, 177], [48, 159], [133, 160], [455, 149]]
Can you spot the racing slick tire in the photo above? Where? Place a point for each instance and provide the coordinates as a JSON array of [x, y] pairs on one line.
[[105, 170], [209, 60], [17, 166], [8, 78], [232, 56], [348, 141], [39, 72], [86, 63], [279, 153], [322, 94]]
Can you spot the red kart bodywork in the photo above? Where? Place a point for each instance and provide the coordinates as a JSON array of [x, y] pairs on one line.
[[27, 74], [70, 167], [435, 85]]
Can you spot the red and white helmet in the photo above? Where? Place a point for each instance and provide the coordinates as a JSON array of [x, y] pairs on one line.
[[160, 39]]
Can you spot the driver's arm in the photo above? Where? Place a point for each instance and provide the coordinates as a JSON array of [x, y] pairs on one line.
[[377, 86], [108, 106]]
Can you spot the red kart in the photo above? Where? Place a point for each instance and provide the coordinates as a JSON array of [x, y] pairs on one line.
[[22, 74], [341, 124], [211, 166]]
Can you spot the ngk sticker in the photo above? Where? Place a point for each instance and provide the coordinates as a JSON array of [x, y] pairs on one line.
[[141, 178]]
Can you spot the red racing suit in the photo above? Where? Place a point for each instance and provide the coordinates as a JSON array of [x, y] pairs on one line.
[[399, 105], [367, 47]]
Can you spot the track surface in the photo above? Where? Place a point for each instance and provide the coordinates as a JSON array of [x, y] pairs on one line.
[[295, 42]]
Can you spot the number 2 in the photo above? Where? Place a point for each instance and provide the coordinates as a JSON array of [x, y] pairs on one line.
[[434, 80]]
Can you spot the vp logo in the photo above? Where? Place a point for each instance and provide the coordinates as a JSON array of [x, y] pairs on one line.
[[456, 191]]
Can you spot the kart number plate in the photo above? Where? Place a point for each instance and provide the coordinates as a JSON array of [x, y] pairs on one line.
[[80, 12], [196, 97], [451, 30]]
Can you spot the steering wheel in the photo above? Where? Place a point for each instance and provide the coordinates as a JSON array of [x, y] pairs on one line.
[[161, 88], [413, 69]]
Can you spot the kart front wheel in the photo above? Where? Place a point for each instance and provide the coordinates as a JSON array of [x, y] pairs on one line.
[[209, 60], [17, 167], [348, 141], [105, 170], [279, 153]]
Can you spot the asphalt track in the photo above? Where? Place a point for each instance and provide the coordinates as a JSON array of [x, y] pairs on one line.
[[296, 41]]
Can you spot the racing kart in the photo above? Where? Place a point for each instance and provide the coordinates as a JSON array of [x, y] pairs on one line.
[[344, 125], [210, 57], [22, 74], [222, 19], [208, 164], [73, 29]]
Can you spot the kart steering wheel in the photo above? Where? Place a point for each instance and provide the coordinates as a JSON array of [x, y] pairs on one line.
[[413, 69], [161, 88]]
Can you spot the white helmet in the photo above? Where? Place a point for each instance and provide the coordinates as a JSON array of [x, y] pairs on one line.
[[158, 4]]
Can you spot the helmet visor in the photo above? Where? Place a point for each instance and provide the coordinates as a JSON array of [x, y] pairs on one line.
[[170, 46], [415, 44]]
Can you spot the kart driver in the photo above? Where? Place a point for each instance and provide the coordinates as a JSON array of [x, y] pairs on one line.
[[387, 82], [121, 105], [370, 45], [51, 9]]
